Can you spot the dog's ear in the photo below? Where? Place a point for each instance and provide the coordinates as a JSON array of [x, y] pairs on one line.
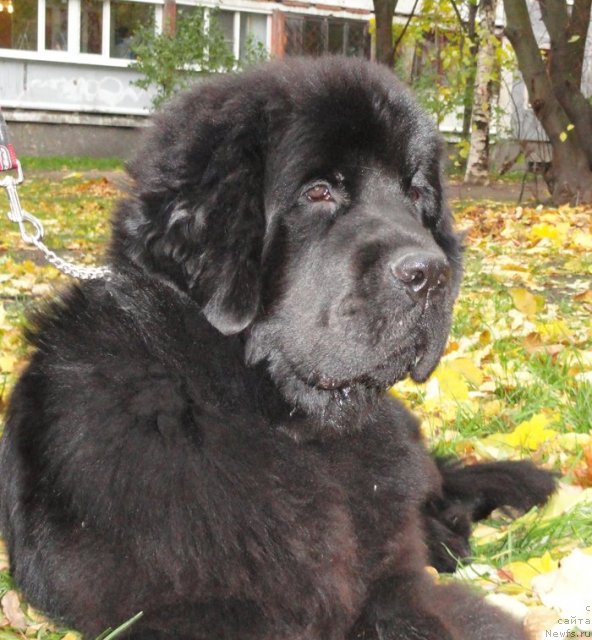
[[196, 213]]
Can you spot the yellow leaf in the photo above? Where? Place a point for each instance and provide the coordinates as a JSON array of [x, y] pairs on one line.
[[545, 563], [582, 239], [521, 572], [467, 370], [524, 301], [565, 499], [556, 232], [28, 266], [492, 408], [7, 363], [485, 337], [451, 383], [563, 136], [570, 126], [554, 330], [524, 572], [572, 442], [492, 448], [530, 434]]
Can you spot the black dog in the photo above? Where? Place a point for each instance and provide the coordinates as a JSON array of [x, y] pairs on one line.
[[205, 437]]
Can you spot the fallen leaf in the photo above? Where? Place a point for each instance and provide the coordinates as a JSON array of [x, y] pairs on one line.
[[565, 499], [449, 384], [583, 240], [583, 472], [524, 301], [568, 589], [467, 369], [530, 434], [584, 296], [12, 610], [554, 330], [539, 621], [7, 363], [524, 572]]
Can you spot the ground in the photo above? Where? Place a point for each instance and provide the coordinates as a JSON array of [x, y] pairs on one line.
[[516, 379]]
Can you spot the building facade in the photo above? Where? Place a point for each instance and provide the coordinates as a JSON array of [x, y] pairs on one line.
[[69, 61]]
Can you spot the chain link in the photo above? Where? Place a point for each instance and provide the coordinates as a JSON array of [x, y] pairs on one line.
[[21, 217], [71, 268]]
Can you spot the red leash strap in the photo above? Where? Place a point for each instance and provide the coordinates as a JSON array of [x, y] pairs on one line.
[[8, 159]]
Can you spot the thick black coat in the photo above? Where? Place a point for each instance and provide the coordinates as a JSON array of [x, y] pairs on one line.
[[205, 437]]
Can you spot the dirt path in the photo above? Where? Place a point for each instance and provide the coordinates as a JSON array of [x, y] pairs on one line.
[[502, 191]]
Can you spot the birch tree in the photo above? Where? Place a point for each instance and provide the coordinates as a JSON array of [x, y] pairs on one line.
[[477, 170]]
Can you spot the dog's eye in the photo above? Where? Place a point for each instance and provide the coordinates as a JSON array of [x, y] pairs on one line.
[[319, 193]]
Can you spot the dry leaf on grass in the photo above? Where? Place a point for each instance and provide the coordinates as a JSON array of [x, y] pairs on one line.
[[568, 590], [539, 622], [11, 606]]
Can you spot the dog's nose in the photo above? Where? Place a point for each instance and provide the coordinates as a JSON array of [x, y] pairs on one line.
[[421, 272]]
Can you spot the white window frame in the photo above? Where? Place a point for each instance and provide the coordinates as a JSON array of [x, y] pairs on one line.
[[74, 7], [73, 54]]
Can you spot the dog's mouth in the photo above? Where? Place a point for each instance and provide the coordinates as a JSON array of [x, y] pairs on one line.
[[417, 362], [413, 362], [426, 360]]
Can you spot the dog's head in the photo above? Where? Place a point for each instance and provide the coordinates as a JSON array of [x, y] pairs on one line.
[[301, 204]]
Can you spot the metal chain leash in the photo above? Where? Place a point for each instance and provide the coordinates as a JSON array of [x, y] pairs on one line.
[[21, 217]]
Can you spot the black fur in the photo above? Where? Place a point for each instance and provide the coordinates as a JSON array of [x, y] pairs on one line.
[[205, 437], [471, 493]]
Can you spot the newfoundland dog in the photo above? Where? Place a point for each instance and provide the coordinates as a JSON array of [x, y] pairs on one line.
[[205, 436]]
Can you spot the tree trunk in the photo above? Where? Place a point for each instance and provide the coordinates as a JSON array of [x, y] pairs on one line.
[[384, 12], [565, 69], [477, 171], [569, 178], [470, 88]]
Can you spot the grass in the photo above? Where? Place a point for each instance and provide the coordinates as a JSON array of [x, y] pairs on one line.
[[69, 163], [532, 536]]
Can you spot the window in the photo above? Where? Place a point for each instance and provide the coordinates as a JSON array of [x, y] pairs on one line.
[[357, 41], [18, 28], [226, 23], [314, 36], [253, 33], [56, 25], [91, 26], [106, 27], [126, 17], [336, 37]]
